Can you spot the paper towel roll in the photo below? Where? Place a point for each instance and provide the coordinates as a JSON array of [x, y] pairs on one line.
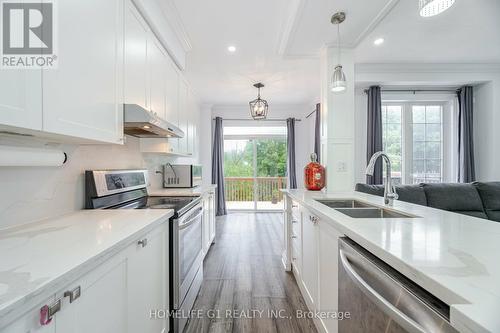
[[24, 156]]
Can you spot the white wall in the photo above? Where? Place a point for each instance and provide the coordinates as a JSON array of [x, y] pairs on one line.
[[29, 194], [304, 137], [486, 81]]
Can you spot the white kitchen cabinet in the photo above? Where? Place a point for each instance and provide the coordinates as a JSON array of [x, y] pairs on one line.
[[172, 102], [310, 258], [157, 63], [147, 274], [208, 221], [193, 115], [183, 116], [213, 220], [21, 98], [328, 273], [102, 305], [83, 97], [136, 74]]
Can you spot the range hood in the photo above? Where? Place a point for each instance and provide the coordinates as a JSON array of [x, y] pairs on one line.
[[142, 123]]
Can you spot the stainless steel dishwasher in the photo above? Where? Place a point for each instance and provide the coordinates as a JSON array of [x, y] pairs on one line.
[[380, 299]]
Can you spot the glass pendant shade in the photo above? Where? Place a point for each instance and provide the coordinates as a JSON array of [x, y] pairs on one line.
[[430, 8], [259, 106], [339, 82]]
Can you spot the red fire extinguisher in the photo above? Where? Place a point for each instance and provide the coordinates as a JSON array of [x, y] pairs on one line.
[[314, 175]]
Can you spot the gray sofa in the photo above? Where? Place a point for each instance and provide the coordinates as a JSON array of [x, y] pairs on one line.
[[475, 199]]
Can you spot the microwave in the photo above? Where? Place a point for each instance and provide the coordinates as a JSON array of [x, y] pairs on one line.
[[181, 175]]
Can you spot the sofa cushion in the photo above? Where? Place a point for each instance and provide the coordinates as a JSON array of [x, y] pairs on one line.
[[458, 198], [490, 195], [408, 193]]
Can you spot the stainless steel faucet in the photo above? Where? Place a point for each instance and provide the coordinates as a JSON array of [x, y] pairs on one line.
[[389, 191]]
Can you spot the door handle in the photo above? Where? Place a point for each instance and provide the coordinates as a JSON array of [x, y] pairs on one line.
[[143, 242]]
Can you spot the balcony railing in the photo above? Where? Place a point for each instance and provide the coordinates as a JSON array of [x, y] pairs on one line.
[[242, 188]]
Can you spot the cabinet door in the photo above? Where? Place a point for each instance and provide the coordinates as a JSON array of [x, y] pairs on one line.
[[83, 98], [135, 63], [191, 108], [212, 217], [206, 223], [310, 258], [328, 273], [147, 273], [172, 103], [101, 307], [183, 116], [21, 98], [157, 64]]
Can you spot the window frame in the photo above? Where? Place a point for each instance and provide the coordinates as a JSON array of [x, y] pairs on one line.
[[448, 140]]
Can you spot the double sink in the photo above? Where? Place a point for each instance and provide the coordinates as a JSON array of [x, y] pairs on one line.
[[360, 210]]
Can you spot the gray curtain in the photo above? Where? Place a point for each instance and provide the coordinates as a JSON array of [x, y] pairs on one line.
[[218, 167], [466, 168], [374, 133], [290, 144], [317, 132]]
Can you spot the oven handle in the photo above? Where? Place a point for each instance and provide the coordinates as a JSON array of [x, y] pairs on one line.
[[389, 309], [191, 220]]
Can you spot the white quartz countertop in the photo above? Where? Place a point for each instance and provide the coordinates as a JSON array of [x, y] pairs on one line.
[[453, 256], [182, 192], [37, 259]]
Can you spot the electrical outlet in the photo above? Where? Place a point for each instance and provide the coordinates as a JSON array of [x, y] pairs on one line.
[[341, 167]]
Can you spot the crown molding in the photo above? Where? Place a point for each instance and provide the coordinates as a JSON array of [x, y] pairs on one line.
[[375, 22], [174, 19], [289, 27]]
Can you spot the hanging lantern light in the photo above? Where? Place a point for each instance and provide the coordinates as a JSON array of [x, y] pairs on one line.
[[259, 106], [339, 82]]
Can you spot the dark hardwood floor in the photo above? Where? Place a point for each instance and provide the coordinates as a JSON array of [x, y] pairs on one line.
[[245, 288]]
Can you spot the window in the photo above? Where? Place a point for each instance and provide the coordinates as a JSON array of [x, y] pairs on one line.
[[414, 139]]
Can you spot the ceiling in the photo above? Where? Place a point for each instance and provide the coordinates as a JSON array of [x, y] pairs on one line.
[[278, 41]]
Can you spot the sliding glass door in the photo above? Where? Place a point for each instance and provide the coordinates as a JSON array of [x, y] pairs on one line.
[[254, 168]]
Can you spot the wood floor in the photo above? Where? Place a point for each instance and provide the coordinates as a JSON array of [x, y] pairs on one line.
[[245, 288]]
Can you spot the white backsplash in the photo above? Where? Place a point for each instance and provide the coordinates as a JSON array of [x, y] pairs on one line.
[[29, 194]]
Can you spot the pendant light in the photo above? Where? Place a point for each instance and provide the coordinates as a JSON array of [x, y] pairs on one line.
[[338, 79], [259, 106], [428, 8]]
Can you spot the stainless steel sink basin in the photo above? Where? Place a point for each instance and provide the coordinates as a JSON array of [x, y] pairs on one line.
[[371, 213], [344, 203]]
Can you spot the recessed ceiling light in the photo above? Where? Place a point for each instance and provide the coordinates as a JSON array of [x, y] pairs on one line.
[[146, 127], [231, 48], [378, 41]]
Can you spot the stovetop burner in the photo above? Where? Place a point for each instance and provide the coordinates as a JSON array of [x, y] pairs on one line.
[[178, 204]]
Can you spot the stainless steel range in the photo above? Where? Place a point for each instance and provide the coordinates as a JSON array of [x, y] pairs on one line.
[[127, 189]]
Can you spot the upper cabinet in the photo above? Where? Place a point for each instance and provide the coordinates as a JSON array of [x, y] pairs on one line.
[[21, 98], [157, 63], [83, 97], [136, 74]]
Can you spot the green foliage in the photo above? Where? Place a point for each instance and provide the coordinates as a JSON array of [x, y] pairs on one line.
[[271, 159]]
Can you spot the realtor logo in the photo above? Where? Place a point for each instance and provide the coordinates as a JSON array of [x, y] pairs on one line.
[[28, 34]]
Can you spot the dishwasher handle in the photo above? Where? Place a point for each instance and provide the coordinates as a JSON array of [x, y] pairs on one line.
[[393, 312]]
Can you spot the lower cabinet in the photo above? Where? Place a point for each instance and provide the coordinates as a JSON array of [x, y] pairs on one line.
[[117, 296], [102, 305], [328, 273], [208, 221], [147, 273], [314, 257], [310, 258]]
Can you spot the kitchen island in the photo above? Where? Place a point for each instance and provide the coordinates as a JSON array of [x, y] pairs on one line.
[[451, 256]]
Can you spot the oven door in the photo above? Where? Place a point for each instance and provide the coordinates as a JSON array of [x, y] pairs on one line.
[[187, 252]]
